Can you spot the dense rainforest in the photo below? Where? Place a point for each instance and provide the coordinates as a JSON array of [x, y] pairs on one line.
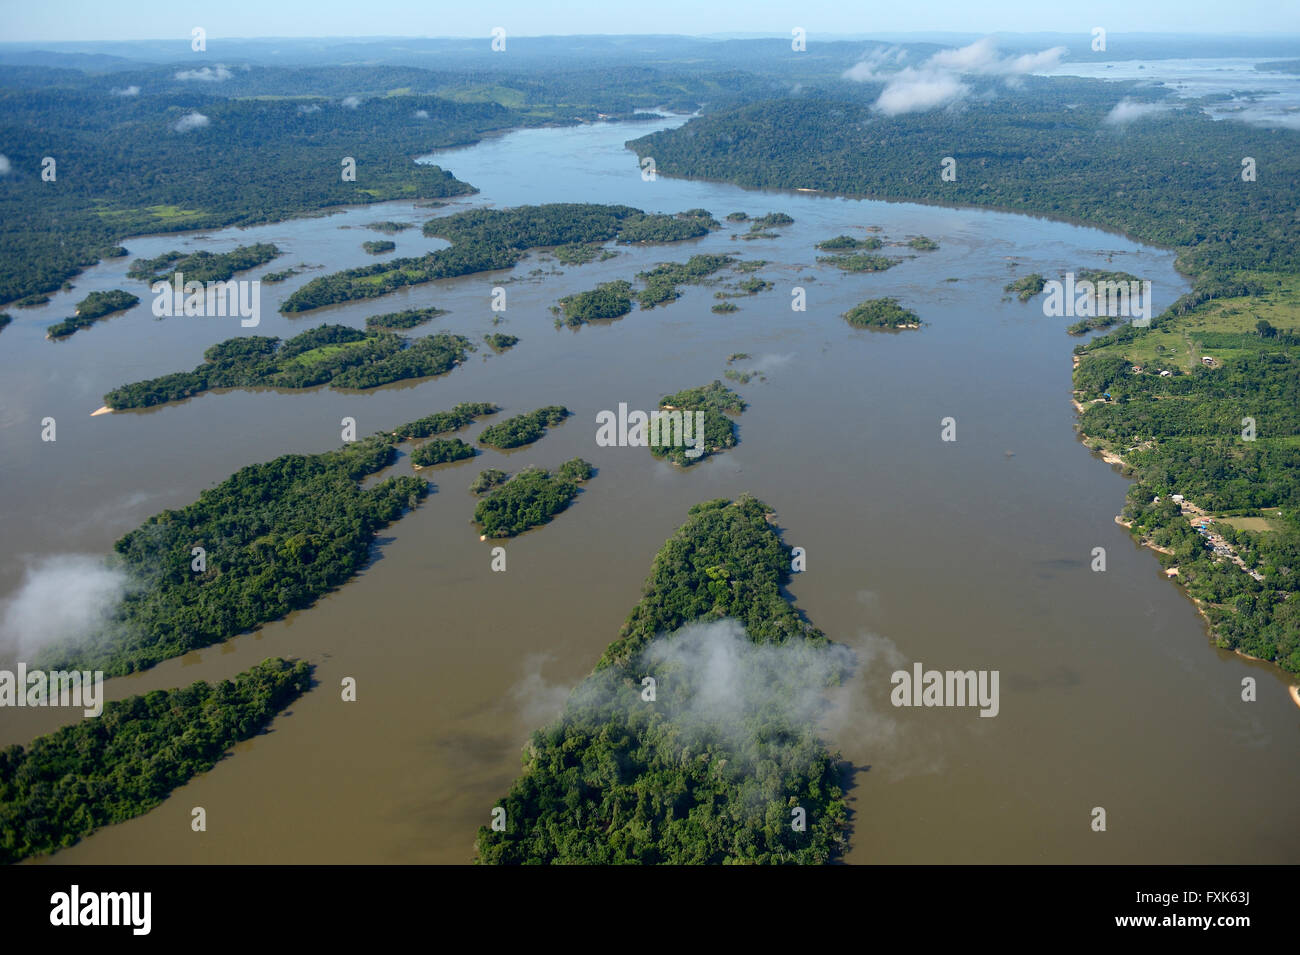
[[620, 779], [131, 757], [1044, 147]]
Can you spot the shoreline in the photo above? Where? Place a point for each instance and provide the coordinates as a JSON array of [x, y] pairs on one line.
[[1171, 574]]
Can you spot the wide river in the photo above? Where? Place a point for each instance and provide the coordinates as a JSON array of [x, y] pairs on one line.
[[967, 554]]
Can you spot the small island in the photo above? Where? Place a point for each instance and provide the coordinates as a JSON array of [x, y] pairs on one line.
[[716, 401], [444, 422], [379, 246], [334, 355], [858, 262], [881, 313], [606, 301], [661, 283], [500, 342], [523, 429], [923, 244], [399, 321], [92, 308], [580, 253], [487, 480], [529, 499], [1027, 287], [441, 451], [846, 243], [389, 227], [202, 266]]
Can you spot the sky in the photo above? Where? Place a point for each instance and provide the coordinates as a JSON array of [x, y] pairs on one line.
[[81, 20]]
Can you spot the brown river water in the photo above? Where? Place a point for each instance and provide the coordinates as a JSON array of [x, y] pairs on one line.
[[972, 554]]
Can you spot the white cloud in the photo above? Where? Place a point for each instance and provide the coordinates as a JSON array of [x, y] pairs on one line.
[[913, 90], [351, 102], [61, 598], [128, 91], [1127, 111], [421, 114], [937, 82], [5, 166], [874, 66], [190, 121], [207, 74]]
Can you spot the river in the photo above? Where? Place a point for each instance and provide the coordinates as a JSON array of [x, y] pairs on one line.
[[970, 554]]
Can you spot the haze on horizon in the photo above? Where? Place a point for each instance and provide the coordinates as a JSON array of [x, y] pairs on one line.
[[89, 20]]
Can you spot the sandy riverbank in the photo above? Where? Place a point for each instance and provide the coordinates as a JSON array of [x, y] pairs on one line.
[[104, 410]]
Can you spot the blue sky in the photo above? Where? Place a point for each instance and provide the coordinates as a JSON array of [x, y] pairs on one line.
[[53, 20]]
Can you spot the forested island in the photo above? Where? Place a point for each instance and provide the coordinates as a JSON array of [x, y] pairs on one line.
[[120, 765], [487, 480], [661, 284], [605, 301], [523, 429], [378, 246], [334, 355], [618, 779], [302, 521], [90, 309], [441, 451], [580, 253], [529, 499], [847, 243], [499, 342], [400, 321], [882, 313], [445, 422], [858, 262], [484, 240], [1027, 287], [202, 266], [716, 400]]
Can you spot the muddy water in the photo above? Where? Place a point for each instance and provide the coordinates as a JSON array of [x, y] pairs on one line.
[[971, 554]]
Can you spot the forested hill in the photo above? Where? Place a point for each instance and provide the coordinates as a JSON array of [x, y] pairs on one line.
[[1173, 178]]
